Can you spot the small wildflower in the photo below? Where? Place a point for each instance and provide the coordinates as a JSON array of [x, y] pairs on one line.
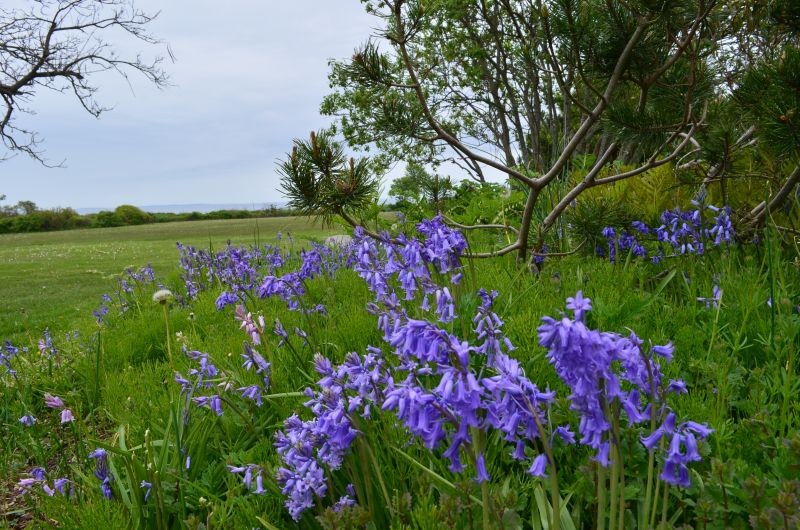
[[54, 402], [147, 486], [66, 416], [162, 296]]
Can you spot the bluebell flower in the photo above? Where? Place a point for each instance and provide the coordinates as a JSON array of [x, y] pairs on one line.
[[213, 402], [225, 299], [100, 457], [66, 416], [594, 366], [445, 307], [714, 299], [252, 392], [307, 447], [54, 402], [579, 305], [685, 435], [60, 485], [251, 474], [539, 466], [344, 501], [147, 487], [641, 227], [46, 346]]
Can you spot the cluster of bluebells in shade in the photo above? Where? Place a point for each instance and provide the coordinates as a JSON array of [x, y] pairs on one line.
[[680, 233], [444, 389]]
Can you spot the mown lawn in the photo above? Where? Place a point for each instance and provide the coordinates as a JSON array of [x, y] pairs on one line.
[[51, 279]]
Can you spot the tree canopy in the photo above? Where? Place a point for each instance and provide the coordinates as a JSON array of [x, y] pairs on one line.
[[535, 89]]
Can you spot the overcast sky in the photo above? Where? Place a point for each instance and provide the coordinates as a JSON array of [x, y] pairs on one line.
[[248, 78]]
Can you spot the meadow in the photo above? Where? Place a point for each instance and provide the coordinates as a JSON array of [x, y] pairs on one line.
[[56, 278], [185, 411]]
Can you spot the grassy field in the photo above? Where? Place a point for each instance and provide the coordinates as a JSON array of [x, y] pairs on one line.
[[53, 278]]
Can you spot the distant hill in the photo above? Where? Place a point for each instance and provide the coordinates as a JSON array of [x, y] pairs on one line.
[[186, 208]]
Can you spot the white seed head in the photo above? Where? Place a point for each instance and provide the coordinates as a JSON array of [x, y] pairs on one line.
[[162, 296]]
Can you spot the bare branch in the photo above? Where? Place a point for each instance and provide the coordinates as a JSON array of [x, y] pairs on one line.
[[759, 214], [478, 227], [58, 44]]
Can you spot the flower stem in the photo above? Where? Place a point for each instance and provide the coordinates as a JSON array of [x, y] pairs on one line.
[[169, 346], [555, 495], [601, 497], [664, 506], [612, 499], [651, 462], [654, 510]]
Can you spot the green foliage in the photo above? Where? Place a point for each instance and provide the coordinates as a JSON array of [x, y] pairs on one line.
[[43, 221], [770, 94], [68, 219], [131, 215], [418, 188], [319, 180]]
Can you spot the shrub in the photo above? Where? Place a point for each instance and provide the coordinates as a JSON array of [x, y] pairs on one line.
[[131, 215]]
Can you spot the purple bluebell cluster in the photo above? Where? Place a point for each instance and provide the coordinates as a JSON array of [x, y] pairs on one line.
[[604, 370], [128, 285], [134, 278], [38, 476], [306, 447], [243, 272], [680, 233], [684, 436], [442, 389], [411, 264], [345, 501], [102, 311], [234, 268], [204, 377]]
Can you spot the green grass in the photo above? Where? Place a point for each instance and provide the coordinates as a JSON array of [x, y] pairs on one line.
[[56, 278]]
